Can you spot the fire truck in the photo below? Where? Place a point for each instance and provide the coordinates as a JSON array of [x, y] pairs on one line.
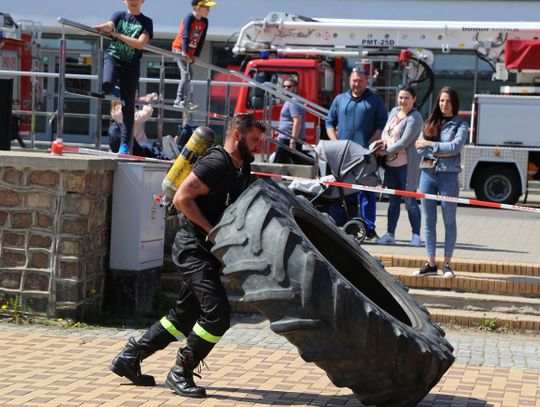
[[20, 51], [504, 143]]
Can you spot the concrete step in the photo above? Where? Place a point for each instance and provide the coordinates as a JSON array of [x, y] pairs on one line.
[[486, 320], [472, 266], [504, 284], [473, 298], [451, 300]]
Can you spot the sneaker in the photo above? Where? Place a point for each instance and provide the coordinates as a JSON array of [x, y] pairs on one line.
[[447, 271], [416, 241], [426, 270], [124, 149], [181, 104], [387, 239], [372, 235]]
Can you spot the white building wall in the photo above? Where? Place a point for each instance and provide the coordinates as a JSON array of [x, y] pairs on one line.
[[230, 15]]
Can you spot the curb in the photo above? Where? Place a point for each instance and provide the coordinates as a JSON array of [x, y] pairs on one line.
[[467, 265]]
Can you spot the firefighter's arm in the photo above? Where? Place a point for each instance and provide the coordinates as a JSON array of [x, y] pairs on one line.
[[184, 200], [137, 43]]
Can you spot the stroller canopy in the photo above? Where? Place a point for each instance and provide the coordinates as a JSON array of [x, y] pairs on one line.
[[349, 161]]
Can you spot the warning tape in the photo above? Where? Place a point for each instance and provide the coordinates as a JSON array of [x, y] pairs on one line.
[[411, 194], [89, 151]]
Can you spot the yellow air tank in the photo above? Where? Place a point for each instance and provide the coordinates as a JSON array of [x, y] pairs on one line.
[[201, 140]]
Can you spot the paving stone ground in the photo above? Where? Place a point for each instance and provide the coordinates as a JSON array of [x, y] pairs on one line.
[[251, 366]]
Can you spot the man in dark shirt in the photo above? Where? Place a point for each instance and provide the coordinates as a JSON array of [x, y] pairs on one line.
[[202, 312]]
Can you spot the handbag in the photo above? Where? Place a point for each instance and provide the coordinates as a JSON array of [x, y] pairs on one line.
[[428, 163]]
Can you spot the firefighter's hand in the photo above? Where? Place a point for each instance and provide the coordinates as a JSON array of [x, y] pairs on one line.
[[292, 143]]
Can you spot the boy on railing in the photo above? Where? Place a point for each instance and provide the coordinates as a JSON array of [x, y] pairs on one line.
[[189, 43], [130, 30]]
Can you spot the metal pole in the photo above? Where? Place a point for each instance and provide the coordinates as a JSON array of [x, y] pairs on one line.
[[208, 96], [33, 114], [227, 102], [265, 120], [61, 86], [475, 83], [161, 92], [318, 131], [99, 112], [270, 117]]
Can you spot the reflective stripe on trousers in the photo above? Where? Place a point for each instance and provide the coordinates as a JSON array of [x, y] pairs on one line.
[[204, 334], [169, 327]]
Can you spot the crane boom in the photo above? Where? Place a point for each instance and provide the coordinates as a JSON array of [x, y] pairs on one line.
[[287, 33]]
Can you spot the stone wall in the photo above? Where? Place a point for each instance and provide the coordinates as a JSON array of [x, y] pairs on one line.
[[54, 232]]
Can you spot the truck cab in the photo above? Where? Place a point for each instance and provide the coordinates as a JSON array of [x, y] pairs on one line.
[[318, 81]]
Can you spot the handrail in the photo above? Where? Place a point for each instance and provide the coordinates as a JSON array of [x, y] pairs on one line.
[[198, 62], [301, 99]]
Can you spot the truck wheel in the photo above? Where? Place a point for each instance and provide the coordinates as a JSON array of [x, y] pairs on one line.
[[330, 298], [498, 184]]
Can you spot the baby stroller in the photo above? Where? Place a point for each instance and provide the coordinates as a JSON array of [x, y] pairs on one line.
[[347, 162]]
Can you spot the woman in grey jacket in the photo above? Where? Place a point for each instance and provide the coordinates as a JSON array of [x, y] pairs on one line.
[[440, 146], [403, 127]]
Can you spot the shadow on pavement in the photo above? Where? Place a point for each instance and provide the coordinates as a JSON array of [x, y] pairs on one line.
[[450, 400], [285, 398]]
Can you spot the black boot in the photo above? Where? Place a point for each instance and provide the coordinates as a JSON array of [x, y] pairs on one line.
[[128, 364], [180, 377]]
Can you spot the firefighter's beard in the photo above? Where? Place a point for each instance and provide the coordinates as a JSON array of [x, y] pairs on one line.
[[244, 151]]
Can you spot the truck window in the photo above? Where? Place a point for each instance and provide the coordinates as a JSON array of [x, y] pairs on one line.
[[255, 98]]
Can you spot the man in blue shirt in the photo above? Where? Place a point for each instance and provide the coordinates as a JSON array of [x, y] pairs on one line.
[[359, 115]]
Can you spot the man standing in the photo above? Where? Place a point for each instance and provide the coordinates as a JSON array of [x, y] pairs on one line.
[[292, 121], [202, 311], [359, 115]]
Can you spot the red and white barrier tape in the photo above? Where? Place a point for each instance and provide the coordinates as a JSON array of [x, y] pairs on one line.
[[89, 151], [411, 194]]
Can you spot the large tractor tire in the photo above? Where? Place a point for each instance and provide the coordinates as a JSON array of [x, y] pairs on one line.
[[330, 298]]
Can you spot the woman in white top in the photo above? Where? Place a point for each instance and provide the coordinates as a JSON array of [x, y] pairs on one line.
[[403, 127], [142, 115]]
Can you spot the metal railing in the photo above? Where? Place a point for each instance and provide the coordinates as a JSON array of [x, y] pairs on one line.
[[270, 90]]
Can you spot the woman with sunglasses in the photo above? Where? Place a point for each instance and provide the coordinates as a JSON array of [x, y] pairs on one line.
[[403, 127]]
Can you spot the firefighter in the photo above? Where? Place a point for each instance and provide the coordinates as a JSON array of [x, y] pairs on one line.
[[202, 311]]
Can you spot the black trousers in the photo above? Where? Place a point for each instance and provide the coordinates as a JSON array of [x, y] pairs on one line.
[[128, 79], [202, 311]]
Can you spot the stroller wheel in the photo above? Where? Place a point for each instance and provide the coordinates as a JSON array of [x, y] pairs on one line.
[[357, 228]]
